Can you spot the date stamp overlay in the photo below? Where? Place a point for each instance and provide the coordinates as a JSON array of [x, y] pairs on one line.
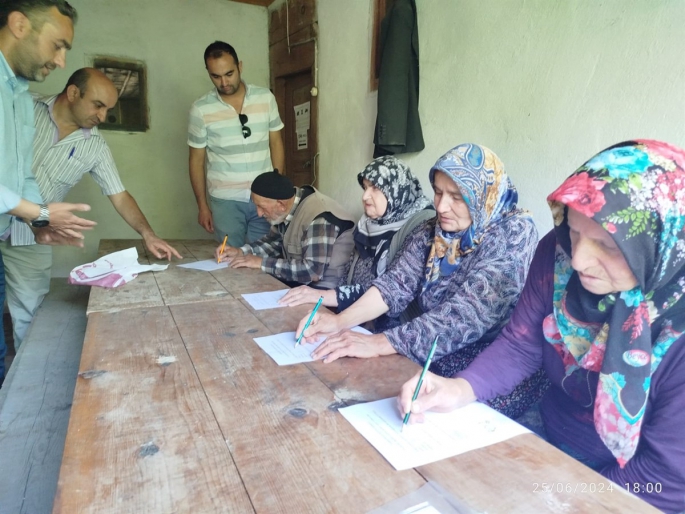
[[596, 487], [574, 487]]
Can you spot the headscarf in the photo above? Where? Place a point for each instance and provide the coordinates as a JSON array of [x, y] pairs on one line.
[[636, 191], [405, 198], [490, 196]]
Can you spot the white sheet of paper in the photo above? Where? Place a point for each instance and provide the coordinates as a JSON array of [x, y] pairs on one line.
[[424, 508], [206, 265], [281, 347], [265, 300], [440, 436]]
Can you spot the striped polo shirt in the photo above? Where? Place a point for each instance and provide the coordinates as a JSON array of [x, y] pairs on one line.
[[59, 165], [234, 161]]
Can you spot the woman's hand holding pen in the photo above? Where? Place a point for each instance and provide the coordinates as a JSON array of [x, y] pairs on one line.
[[438, 394], [323, 324]]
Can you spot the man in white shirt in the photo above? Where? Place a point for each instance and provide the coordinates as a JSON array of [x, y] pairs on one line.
[[67, 145], [235, 134]]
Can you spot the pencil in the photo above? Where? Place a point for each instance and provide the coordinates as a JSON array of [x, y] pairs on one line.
[[311, 317], [423, 374], [223, 246]]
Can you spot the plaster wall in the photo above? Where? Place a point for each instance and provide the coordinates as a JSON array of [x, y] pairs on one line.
[[543, 84], [170, 36]]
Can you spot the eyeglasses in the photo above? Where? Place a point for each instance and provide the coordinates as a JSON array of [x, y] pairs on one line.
[[246, 130]]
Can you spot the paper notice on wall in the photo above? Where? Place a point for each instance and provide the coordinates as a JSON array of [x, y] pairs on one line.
[[302, 117], [302, 124], [302, 140]]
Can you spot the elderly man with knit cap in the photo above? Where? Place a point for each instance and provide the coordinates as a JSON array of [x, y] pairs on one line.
[[310, 241]]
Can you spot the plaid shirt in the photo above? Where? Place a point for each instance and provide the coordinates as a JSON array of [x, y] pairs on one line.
[[317, 247]]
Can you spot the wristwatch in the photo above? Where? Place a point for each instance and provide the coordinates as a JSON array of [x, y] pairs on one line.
[[43, 219]]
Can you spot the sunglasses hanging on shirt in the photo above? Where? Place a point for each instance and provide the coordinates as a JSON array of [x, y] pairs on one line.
[[246, 130]]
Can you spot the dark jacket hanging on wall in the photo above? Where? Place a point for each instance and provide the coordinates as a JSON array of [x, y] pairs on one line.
[[398, 127]]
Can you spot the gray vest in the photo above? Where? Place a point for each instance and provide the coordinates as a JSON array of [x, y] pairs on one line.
[[310, 208]]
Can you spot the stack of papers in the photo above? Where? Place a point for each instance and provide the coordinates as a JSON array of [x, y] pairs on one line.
[[281, 347], [440, 436]]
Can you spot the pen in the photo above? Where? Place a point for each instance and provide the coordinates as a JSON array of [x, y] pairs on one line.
[[223, 246], [71, 154], [311, 317], [423, 374]]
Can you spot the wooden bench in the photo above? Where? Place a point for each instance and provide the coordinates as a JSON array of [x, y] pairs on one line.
[[35, 401]]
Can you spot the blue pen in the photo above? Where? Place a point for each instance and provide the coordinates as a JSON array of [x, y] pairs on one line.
[[71, 154], [311, 317]]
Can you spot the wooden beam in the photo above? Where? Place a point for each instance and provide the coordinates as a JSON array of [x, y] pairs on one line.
[[261, 3]]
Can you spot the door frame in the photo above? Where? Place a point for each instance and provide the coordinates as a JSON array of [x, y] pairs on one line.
[[293, 39]]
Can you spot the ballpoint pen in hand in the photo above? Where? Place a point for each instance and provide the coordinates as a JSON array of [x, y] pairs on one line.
[[311, 317], [423, 374]]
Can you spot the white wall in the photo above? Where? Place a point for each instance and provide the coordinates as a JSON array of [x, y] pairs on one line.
[[170, 37], [545, 84]]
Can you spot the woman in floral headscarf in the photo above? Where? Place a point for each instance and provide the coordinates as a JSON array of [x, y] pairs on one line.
[[394, 204], [466, 268], [603, 313]]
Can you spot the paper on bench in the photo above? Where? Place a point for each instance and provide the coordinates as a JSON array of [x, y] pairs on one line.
[[265, 300], [440, 436], [281, 347], [206, 265]]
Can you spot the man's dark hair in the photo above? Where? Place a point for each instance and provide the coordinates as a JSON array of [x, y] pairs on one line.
[[219, 48], [35, 10], [79, 79]]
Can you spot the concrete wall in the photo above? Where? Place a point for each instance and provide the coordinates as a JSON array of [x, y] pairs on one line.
[[545, 84], [170, 37]]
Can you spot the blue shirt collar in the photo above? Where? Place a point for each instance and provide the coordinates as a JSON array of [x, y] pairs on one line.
[[17, 84]]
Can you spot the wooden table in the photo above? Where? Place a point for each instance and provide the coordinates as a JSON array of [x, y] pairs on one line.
[[177, 410]]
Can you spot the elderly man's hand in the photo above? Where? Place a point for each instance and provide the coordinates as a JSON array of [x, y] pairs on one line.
[[246, 261], [228, 253]]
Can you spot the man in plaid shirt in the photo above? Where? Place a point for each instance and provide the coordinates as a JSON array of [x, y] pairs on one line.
[[311, 235]]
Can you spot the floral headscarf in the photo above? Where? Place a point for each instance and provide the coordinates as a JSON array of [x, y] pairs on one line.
[[405, 198], [636, 191], [489, 195]]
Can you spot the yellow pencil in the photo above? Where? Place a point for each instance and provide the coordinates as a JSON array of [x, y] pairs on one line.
[[223, 246]]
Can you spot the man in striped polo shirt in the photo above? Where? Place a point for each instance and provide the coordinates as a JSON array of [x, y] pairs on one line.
[[67, 145], [234, 134]]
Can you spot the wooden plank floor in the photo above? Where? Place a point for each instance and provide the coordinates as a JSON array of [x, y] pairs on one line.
[[35, 401], [142, 437]]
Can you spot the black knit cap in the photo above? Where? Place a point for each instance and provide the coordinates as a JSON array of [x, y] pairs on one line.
[[273, 185]]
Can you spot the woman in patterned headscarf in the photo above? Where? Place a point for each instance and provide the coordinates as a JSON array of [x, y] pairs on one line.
[[394, 204], [465, 268], [603, 313]]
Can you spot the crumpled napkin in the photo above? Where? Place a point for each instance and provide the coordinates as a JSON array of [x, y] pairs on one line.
[[112, 270]]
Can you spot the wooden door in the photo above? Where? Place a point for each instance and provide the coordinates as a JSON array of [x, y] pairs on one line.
[[299, 133]]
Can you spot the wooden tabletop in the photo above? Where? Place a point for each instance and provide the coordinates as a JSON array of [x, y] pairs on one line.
[[176, 409]]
